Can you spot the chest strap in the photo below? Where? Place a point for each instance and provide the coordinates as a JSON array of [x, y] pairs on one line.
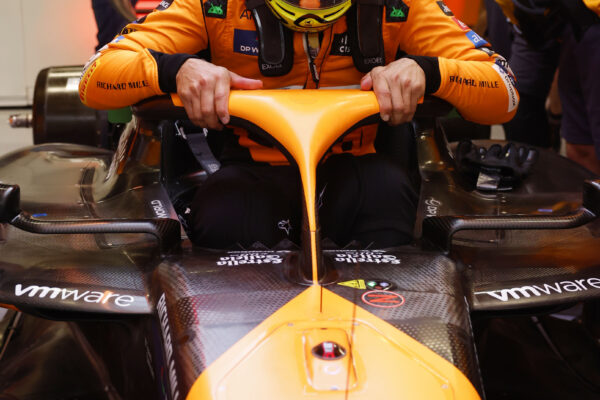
[[275, 43], [365, 21]]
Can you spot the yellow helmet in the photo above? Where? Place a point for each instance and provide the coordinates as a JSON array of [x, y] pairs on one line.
[[308, 15]]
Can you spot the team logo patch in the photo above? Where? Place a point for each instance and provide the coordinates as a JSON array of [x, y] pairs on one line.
[[245, 42], [445, 9], [340, 45], [396, 11], [164, 4], [215, 8], [477, 40]]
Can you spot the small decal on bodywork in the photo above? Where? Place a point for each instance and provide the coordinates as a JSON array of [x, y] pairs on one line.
[[74, 295], [370, 284], [159, 209], [161, 308], [383, 299], [432, 207], [235, 258], [365, 256], [545, 289], [513, 101]]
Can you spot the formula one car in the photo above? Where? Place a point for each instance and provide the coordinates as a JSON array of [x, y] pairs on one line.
[[108, 299]]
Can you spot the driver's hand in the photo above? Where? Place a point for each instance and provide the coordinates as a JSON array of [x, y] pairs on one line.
[[398, 87], [204, 91]]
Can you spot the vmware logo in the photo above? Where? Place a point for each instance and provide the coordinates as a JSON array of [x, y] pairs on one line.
[[63, 294]]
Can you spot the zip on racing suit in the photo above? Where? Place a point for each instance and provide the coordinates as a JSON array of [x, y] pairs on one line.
[[459, 65]]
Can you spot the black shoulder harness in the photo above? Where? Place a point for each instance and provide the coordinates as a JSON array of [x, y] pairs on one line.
[[366, 40], [276, 47]]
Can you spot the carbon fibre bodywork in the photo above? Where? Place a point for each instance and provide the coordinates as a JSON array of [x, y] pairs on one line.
[[147, 316]]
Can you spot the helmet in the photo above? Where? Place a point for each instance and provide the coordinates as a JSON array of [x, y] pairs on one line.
[[308, 15]]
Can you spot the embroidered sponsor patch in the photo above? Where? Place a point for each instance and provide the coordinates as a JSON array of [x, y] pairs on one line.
[[461, 24], [487, 50], [510, 89], [246, 14], [126, 30], [340, 46], [369, 284], [215, 8], [396, 11], [477, 40], [164, 4], [502, 63], [445, 9], [245, 42], [85, 80]]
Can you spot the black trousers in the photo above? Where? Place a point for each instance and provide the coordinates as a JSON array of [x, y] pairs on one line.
[[368, 199]]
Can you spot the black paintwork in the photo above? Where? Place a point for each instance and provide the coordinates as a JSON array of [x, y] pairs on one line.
[[207, 300]]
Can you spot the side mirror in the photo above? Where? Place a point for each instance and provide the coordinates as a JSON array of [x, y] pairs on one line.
[[10, 197]]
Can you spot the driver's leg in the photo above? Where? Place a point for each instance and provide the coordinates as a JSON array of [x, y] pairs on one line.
[[245, 203], [368, 198]]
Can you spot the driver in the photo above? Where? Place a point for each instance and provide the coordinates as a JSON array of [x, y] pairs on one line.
[[400, 49]]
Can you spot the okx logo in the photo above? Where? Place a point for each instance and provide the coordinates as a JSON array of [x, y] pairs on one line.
[[215, 8], [396, 11]]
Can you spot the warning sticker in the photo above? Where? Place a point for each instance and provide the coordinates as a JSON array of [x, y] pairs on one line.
[[355, 284], [370, 284]]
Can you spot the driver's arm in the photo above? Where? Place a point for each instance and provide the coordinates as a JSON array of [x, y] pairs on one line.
[[143, 61], [455, 64]]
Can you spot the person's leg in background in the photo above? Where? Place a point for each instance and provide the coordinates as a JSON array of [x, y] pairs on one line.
[[499, 31], [579, 89], [534, 70]]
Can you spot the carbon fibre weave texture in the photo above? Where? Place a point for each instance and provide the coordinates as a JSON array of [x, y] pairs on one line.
[[211, 306], [434, 312]]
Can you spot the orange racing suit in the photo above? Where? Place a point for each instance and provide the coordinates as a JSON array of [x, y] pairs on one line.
[[460, 67]]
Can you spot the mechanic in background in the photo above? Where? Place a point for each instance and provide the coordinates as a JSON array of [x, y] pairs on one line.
[[109, 21], [563, 34], [402, 50]]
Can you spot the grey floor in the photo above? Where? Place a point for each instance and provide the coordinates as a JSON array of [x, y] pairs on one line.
[[11, 138]]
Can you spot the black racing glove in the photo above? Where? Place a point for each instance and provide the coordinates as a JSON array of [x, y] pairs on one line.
[[497, 167]]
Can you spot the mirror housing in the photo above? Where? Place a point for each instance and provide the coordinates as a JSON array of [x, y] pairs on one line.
[[10, 198]]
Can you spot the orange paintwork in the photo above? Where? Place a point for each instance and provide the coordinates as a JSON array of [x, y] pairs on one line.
[[127, 72], [272, 361], [306, 123]]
